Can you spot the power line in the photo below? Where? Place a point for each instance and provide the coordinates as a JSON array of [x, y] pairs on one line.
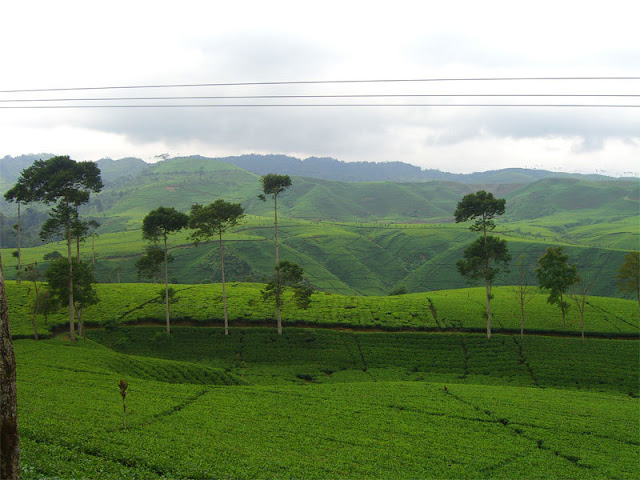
[[374, 95], [324, 82], [336, 105]]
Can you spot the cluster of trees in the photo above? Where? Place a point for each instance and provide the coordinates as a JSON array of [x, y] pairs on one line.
[[211, 222], [488, 256]]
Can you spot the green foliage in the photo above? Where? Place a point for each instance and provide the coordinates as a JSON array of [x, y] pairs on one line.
[[214, 219], [484, 259], [288, 276], [556, 275], [161, 222], [399, 290], [149, 266], [383, 394], [628, 276], [481, 207], [84, 293], [50, 256], [274, 184]]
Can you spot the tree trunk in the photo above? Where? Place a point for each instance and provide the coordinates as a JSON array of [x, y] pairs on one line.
[[19, 238], [224, 292], [72, 333], [279, 317], [9, 439], [488, 288], [562, 309], [166, 284]]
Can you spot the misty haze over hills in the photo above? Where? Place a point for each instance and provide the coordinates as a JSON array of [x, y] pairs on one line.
[[325, 168]]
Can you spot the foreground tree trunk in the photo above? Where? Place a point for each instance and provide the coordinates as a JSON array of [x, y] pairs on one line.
[[9, 440]]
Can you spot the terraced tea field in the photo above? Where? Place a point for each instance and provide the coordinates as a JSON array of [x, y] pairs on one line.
[[328, 404], [389, 387]]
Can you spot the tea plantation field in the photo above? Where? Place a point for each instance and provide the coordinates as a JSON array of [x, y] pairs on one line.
[[327, 404], [391, 387], [441, 310]]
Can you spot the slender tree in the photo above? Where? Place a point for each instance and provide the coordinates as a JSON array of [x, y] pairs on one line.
[[93, 226], [158, 224], [33, 274], [556, 275], [20, 194], [10, 442], [273, 185], [214, 220], [67, 183], [289, 276], [579, 297], [628, 277], [487, 256], [523, 292], [84, 294]]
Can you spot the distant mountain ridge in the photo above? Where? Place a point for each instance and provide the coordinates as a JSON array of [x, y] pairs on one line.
[[326, 168]]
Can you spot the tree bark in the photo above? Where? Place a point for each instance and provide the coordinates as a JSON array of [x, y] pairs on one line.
[[224, 292], [9, 439], [166, 284]]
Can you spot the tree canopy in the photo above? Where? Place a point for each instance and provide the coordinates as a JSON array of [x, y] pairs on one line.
[[274, 184], [556, 275], [162, 221], [213, 219], [481, 207]]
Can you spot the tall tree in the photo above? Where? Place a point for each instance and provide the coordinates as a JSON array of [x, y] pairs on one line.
[[158, 224], [556, 275], [9, 439], [487, 256], [93, 226], [273, 185], [67, 183], [289, 276], [214, 220], [628, 277]]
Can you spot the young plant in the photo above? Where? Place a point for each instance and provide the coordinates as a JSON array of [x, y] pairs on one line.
[[123, 385]]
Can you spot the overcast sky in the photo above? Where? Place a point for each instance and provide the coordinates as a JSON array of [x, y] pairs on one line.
[[61, 44]]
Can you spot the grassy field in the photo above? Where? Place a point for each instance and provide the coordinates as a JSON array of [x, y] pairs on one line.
[[327, 404]]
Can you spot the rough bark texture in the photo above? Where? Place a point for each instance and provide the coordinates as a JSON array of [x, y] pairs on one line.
[[9, 441]]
